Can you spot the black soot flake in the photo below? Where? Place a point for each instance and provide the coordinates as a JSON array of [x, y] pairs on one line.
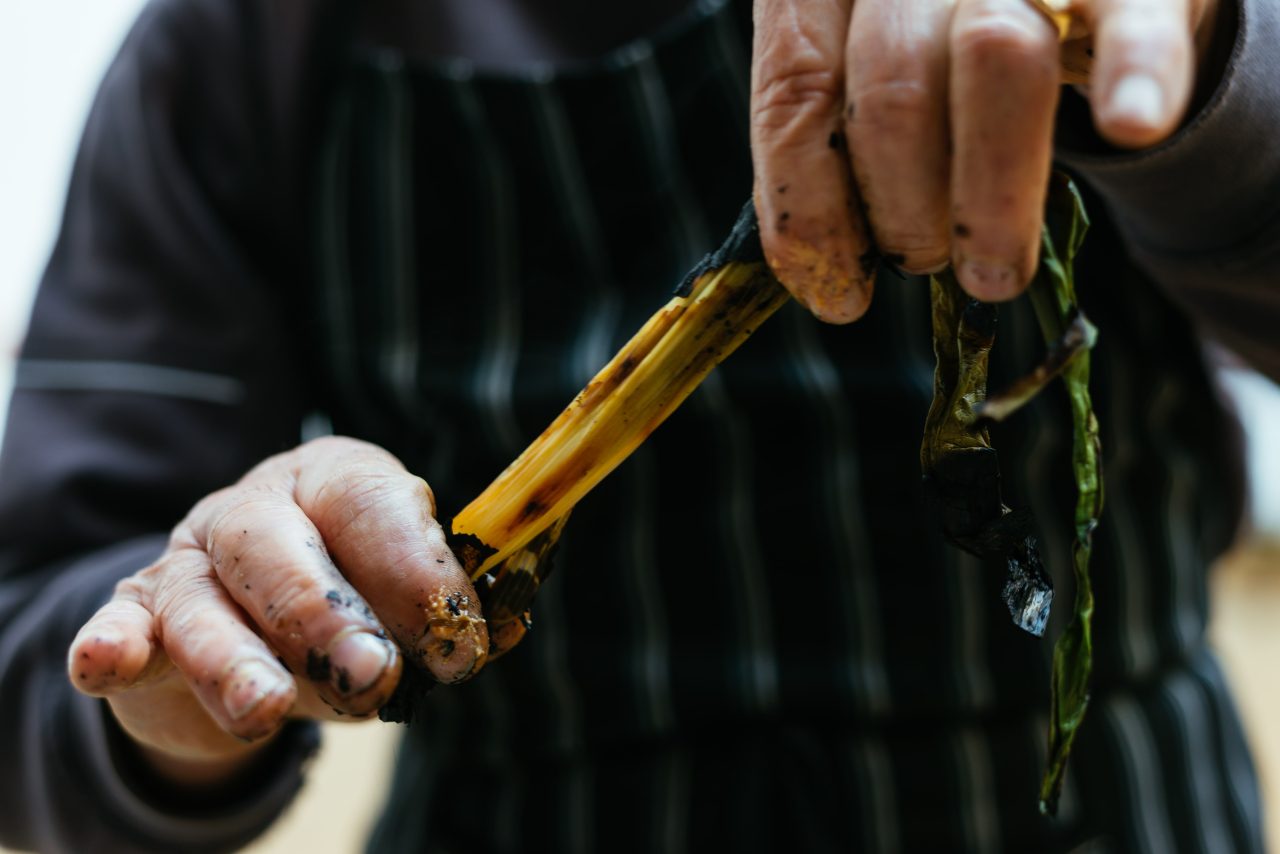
[[317, 666], [343, 680], [470, 549], [869, 261]]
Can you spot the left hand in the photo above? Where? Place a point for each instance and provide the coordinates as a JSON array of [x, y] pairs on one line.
[[920, 131]]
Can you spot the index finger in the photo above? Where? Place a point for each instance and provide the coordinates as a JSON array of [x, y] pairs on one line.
[[812, 230], [378, 521], [1143, 68]]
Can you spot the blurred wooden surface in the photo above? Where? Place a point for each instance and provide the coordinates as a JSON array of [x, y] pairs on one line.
[[1245, 630], [349, 780], [343, 795]]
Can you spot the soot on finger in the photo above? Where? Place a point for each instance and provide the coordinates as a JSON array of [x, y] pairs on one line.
[[318, 667]]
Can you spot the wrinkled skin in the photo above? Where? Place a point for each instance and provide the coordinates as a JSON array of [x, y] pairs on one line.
[[923, 129], [281, 597]]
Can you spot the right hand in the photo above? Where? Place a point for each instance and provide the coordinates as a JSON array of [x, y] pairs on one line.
[[922, 131], [279, 597]]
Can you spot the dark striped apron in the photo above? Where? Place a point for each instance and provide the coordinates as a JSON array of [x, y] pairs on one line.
[[753, 639]]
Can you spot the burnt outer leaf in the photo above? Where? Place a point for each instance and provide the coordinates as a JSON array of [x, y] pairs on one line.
[[515, 582], [406, 701], [961, 469], [469, 549], [742, 245]]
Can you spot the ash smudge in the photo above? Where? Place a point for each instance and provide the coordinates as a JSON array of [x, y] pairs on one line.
[[317, 665]]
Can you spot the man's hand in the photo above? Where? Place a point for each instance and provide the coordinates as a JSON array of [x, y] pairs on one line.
[[923, 129], [279, 597]]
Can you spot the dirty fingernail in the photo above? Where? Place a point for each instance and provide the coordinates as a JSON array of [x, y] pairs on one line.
[[1136, 100], [357, 661], [990, 281], [246, 685], [455, 652]]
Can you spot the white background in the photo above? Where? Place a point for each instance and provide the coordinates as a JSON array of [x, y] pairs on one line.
[[52, 53]]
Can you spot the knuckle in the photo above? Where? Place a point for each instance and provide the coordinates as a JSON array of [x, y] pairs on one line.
[[137, 587], [351, 493], [338, 445], [294, 599], [149, 587], [241, 512], [796, 92], [996, 30], [345, 447], [283, 467], [894, 106], [355, 494], [181, 603], [272, 467], [236, 511], [1135, 36]]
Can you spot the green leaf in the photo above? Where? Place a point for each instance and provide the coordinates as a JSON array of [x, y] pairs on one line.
[[1054, 297]]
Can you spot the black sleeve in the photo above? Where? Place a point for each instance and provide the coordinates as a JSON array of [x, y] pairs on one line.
[[161, 362], [1201, 212]]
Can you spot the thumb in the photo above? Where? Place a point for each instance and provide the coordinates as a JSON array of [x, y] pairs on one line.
[[1143, 69]]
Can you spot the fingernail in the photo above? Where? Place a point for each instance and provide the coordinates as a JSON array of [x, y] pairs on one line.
[[246, 685], [990, 281], [454, 653], [1136, 100], [357, 661]]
